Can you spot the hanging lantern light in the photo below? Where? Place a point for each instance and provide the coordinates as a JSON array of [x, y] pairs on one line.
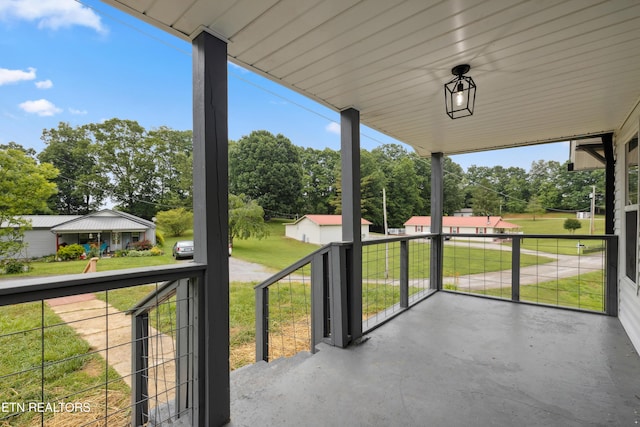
[[460, 93]]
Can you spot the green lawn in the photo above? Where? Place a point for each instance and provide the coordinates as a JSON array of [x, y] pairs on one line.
[[70, 374], [584, 292], [276, 251], [554, 226]]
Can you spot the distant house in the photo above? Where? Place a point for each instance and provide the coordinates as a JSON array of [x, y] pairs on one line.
[[108, 229], [321, 229], [461, 225]]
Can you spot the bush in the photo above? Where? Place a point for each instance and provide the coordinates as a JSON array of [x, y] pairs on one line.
[[156, 251], [70, 252], [159, 239], [142, 245], [175, 221], [13, 266], [120, 253]]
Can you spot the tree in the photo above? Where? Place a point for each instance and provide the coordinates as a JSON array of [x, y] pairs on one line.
[[82, 185], [403, 200], [127, 155], [246, 219], [319, 179], [266, 168], [452, 187], [173, 155], [25, 187], [485, 200], [572, 225], [534, 207], [175, 221]]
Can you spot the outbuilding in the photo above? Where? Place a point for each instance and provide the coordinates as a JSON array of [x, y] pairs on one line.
[[321, 229]]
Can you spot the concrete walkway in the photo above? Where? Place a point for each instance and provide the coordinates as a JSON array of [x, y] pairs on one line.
[[108, 332]]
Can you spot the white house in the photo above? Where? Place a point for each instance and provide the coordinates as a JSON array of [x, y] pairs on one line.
[[321, 229], [461, 225], [109, 229]]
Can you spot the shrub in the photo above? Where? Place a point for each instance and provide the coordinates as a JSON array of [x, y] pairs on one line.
[[121, 252], [70, 252], [159, 239], [156, 251], [142, 245], [13, 266], [175, 221]]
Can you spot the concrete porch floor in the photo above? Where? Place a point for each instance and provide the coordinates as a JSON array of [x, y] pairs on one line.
[[455, 360]]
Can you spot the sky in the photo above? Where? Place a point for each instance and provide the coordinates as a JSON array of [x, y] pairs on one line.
[[84, 62]]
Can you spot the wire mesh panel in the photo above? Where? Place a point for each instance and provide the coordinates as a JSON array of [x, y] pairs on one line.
[[289, 314], [68, 361], [480, 265], [550, 270], [568, 273], [395, 272]]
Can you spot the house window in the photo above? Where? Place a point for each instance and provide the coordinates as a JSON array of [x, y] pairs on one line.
[[418, 228], [135, 236], [631, 209], [482, 230]]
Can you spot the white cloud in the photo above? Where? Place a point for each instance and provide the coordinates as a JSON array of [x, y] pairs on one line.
[[13, 76], [333, 127], [41, 107], [53, 14], [44, 84], [77, 112]]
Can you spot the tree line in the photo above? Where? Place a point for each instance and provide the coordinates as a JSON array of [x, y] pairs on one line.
[[143, 172]]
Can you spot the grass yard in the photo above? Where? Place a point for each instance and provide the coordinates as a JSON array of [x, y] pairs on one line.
[[585, 292], [458, 260], [554, 226], [71, 374], [289, 313], [276, 251]]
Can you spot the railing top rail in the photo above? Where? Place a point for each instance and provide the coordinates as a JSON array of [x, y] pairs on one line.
[[296, 265], [391, 239], [35, 289], [536, 236], [155, 297]]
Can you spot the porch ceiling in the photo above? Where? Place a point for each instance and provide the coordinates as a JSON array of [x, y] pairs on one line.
[[545, 70]]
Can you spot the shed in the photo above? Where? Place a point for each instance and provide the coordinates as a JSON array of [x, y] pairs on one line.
[[321, 229]]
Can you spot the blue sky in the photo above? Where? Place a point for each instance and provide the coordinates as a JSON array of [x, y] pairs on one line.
[[85, 62]]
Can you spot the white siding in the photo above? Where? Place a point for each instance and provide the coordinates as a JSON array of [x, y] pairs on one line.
[[629, 301], [40, 243]]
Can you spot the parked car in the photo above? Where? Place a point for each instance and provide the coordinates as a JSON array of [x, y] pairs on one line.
[[183, 249]]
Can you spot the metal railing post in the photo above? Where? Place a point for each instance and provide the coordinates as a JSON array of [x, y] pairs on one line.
[[611, 291], [319, 314], [404, 273], [262, 324], [140, 369], [338, 296], [182, 346], [515, 269]]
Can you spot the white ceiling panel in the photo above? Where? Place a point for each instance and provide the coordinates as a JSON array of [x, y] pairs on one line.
[[545, 70]]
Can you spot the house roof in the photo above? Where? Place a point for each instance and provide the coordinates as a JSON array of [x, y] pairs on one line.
[[327, 220], [545, 71], [463, 221], [45, 221], [104, 220]]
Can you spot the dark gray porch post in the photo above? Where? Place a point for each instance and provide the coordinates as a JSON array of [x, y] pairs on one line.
[[609, 182], [210, 206], [351, 215], [437, 194]]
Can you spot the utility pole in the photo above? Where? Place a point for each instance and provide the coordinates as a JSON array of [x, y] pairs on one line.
[[593, 210]]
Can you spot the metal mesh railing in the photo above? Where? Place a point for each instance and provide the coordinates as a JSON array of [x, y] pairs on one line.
[[78, 359], [564, 271], [395, 274]]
